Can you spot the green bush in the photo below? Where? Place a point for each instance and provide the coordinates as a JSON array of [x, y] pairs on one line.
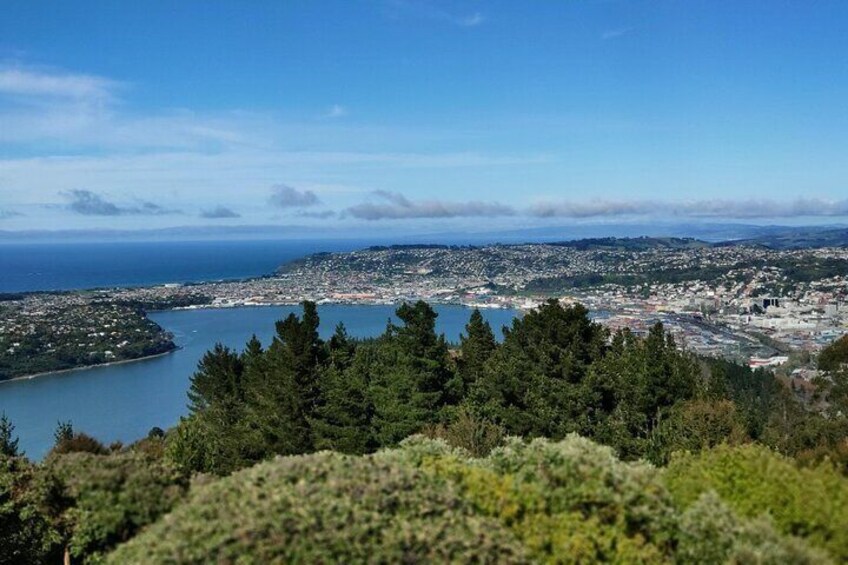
[[811, 503], [108, 498], [476, 435], [324, 508], [571, 501], [27, 534], [711, 533]]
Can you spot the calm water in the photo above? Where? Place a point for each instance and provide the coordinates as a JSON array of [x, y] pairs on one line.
[[58, 266], [122, 402]]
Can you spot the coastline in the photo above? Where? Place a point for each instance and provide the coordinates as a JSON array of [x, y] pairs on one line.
[[86, 367], [234, 306]]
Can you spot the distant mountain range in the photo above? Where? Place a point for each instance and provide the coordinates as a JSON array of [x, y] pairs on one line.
[[801, 238], [666, 234]]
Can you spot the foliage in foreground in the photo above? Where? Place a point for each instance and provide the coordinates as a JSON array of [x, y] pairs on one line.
[[81, 503], [542, 501], [809, 502]]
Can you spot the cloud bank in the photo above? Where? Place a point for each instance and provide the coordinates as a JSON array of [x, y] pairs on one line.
[[395, 206], [284, 196], [88, 203], [711, 208], [219, 213], [320, 215]]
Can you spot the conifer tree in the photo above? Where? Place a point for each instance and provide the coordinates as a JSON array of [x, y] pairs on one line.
[[476, 346], [343, 421], [8, 443], [217, 405], [285, 393], [410, 380]]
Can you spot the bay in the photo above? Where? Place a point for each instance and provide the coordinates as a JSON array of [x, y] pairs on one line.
[[123, 402]]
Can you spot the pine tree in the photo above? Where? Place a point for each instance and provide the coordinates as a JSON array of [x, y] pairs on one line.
[[343, 421], [426, 356], [475, 349], [218, 379], [8, 443], [410, 380], [64, 432], [533, 383], [285, 392], [218, 407]]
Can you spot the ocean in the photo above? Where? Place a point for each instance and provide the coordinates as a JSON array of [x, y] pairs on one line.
[[73, 266]]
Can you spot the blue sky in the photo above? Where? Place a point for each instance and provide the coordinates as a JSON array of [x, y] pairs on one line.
[[414, 114]]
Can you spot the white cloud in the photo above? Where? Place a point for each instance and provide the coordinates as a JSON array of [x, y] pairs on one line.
[[426, 9], [24, 81], [615, 33], [88, 203], [395, 206], [283, 196], [474, 19], [335, 111]]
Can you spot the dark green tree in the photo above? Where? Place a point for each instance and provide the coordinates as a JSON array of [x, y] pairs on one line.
[[8, 441], [533, 383], [343, 421], [28, 532], [834, 355], [476, 347], [284, 390], [64, 431], [217, 397], [410, 382], [634, 387], [217, 381]]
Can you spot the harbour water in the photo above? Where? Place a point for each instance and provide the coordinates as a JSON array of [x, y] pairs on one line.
[[124, 401]]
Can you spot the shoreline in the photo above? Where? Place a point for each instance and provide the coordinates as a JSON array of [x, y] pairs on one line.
[[86, 367], [227, 307]]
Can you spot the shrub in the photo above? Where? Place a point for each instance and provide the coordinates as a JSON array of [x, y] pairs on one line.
[[694, 425], [570, 501], [325, 508], [26, 532], [560, 502], [188, 447], [711, 533], [811, 503], [477, 436], [108, 498], [79, 443]]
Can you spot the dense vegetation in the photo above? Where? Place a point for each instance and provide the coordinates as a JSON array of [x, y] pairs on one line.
[[834, 356], [745, 470], [571, 501], [83, 499], [555, 372]]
